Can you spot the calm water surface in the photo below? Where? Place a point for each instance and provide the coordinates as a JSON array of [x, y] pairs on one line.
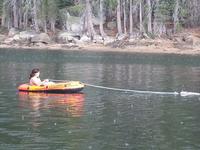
[[100, 119]]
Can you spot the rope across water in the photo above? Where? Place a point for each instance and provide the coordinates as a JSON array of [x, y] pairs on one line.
[[182, 93], [134, 91]]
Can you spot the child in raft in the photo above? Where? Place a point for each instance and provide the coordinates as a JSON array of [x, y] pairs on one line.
[[34, 78]]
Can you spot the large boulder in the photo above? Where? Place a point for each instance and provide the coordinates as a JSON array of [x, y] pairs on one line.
[[121, 37], [67, 37], [23, 37], [41, 38], [17, 37], [98, 39], [108, 40], [76, 27], [2, 38], [12, 32], [85, 39], [74, 23], [27, 35], [8, 41]]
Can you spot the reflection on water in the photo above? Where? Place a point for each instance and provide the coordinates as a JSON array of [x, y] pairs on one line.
[[71, 104]]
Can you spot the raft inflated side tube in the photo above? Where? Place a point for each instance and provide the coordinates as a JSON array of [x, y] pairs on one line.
[[64, 87]]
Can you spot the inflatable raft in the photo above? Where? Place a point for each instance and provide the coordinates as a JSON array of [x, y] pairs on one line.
[[62, 87]]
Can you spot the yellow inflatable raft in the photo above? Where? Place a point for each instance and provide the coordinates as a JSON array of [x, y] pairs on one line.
[[62, 87]]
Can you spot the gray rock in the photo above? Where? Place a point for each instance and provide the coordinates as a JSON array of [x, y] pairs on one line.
[[85, 38], [8, 41], [17, 37], [79, 42], [27, 35], [76, 28], [41, 38], [2, 37], [121, 37], [67, 37], [98, 39], [73, 23], [39, 44], [108, 40], [12, 32]]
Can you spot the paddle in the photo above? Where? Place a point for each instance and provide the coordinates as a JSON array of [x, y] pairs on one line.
[[54, 80]]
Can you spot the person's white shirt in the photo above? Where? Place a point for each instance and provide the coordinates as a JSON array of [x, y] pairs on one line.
[[35, 81]]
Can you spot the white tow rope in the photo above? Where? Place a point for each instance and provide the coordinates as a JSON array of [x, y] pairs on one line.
[[182, 93], [134, 91]]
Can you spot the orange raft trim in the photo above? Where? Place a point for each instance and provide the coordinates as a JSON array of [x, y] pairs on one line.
[[62, 87]]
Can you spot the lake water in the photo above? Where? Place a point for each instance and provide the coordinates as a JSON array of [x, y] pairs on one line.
[[100, 119]]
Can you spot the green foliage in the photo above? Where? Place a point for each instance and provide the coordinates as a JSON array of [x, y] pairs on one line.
[[183, 13], [111, 4], [166, 9], [49, 9], [76, 10], [1, 7], [64, 3], [44, 8], [53, 9]]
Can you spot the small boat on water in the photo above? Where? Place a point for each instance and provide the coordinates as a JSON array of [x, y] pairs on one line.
[[61, 87]]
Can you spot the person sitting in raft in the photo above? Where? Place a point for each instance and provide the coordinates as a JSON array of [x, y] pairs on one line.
[[35, 78]]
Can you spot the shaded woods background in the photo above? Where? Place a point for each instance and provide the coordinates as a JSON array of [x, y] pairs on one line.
[[101, 17]]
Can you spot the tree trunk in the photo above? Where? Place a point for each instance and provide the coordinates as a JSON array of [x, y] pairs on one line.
[[175, 16], [149, 16], [131, 17], [45, 26], [36, 26], [25, 19], [158, 25], [101, 19], [125, 17], [27, 5], [20, 15], [119, 25], [15, 13], [90, 27], [141, 18], [53, 25], [4, 14]]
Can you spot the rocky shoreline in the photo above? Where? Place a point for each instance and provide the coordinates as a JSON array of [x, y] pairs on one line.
[[184, 43]]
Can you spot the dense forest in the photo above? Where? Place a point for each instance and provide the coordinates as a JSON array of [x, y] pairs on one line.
[[101, 17]]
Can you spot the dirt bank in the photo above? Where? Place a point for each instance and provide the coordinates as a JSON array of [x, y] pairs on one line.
[[186, 42], [164, 48]]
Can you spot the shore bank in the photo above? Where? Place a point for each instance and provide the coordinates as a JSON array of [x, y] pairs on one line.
[[186, 42], [164, 48]]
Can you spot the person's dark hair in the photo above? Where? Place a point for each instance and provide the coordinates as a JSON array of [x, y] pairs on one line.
[[33, 72]]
